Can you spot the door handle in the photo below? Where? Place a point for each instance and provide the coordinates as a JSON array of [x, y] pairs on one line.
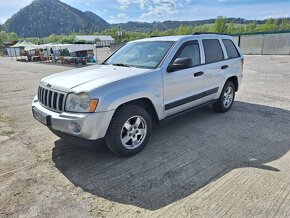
[[200, 73], [224, 67]]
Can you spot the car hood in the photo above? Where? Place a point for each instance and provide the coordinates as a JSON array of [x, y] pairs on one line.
[[99, 74]]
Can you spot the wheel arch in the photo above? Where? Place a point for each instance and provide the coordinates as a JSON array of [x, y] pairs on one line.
[[235, 81], [145, 103]]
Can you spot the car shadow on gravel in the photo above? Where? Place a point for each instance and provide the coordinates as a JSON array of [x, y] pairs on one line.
[[183, 155]]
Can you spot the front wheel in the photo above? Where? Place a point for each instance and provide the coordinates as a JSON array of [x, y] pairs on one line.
[[226, 98], [129, 130]]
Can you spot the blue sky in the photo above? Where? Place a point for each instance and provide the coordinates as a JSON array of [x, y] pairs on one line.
[[115, 11]]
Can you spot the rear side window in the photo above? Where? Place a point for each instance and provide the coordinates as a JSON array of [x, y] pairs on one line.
[[191, 51], [231, 49], [213, 50]]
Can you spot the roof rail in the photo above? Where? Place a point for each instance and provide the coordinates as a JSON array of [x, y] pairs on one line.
[[201, 33]]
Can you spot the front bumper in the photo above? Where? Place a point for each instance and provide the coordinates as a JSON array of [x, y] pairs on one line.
[[92, 125]]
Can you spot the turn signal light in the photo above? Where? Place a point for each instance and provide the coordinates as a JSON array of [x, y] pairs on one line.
[[93, 106]]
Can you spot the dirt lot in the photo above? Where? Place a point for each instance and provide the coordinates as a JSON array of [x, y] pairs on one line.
[[201, 164]]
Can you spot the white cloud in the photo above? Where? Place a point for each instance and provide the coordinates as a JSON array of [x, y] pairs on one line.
[[122, 15], [2, 20], [87, 4], [8, 8], [275, 16], [14, 4], [118, 18], [155, 8]]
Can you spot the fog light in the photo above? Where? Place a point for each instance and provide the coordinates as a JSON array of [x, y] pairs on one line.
[[74, 127]]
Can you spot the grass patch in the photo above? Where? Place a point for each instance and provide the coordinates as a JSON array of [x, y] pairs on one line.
[[3, 118], [7, 133]]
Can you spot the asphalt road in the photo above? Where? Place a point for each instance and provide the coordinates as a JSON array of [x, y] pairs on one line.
[[200, 164]]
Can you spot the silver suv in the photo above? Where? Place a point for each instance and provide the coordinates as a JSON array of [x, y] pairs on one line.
[[143, 82]]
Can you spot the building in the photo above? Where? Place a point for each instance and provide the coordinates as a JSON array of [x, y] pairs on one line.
[[100, 41]]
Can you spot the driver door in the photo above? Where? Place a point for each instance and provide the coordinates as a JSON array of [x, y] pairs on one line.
[[183, 87]]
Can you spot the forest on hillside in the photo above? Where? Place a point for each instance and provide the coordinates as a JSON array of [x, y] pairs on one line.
[[221, 25]]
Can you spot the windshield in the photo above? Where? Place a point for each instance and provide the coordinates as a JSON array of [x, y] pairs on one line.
[[140, 54]]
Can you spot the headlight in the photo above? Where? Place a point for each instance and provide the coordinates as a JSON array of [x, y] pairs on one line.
[[80, 103]]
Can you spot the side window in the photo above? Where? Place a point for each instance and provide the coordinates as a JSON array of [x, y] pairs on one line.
[[213, 50], [191, 51], [231, 49]]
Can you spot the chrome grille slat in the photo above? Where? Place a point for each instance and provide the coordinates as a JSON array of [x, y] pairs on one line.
[[51, 99], [57, 102], [42, 95], [46, 97], [61, 101], [38, 92], [39, 96]]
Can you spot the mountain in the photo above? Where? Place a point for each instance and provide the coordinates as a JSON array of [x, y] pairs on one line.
[[165, 25], [42, 18], [97, 20]]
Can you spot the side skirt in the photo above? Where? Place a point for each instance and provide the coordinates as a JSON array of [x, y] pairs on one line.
[[187, 110]]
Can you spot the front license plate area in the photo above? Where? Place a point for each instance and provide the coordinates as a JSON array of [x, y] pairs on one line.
[[41, 117]]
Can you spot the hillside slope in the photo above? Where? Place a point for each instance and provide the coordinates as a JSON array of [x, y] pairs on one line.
[[42, 18]]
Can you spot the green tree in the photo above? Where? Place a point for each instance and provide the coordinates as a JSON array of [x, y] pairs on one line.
[[240, 29], [52, 38], [251, 27], [184, 30], [201, 29], [70, 39], [285, 24], [276, 25], [270, 25], [220, 25], [4, 36], [231, 28]]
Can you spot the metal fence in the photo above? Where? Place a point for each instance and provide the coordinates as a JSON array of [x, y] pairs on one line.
[[3, 51]]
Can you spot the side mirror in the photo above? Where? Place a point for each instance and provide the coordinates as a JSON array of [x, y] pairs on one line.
[[180, 64]]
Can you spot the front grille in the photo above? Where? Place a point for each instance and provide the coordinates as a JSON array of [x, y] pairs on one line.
[[51, 99]]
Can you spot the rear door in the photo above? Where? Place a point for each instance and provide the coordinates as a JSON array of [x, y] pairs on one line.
[[182, 87], [214, 67], [234, 61]]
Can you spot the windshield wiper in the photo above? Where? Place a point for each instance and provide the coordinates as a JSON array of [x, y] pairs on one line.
[[122, 65]]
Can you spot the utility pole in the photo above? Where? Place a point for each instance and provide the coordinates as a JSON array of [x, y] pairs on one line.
[[120, 33]]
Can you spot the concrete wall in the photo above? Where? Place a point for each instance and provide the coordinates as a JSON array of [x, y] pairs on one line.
[[265, 44], [102, 54], [252, 44], [258, 44], [277, 44], [115, 47]]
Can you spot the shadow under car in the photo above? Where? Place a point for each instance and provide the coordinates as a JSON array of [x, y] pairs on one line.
[[183, 155]]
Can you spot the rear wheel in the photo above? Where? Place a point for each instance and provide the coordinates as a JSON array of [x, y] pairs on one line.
[[129, 130], [226, 98]]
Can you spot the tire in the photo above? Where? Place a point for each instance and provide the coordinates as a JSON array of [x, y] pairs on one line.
[[226, 99], [131, 123]]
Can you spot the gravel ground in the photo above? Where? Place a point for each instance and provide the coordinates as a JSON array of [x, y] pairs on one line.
[[200, 164]]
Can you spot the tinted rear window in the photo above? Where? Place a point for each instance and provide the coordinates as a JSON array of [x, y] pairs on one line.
[[213, 51], [231, 49]]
